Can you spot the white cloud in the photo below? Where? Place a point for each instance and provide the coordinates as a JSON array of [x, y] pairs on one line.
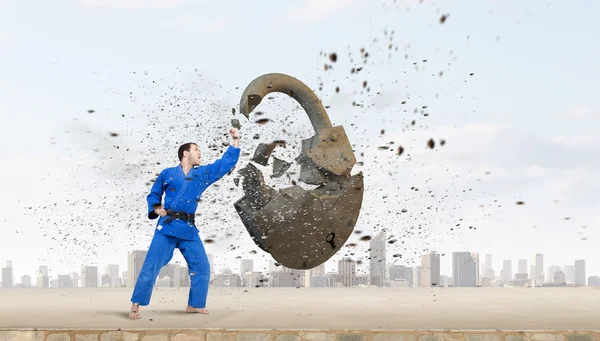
[[131, 4], [581, 111], [313, 10], [211, 25], [6, 39]]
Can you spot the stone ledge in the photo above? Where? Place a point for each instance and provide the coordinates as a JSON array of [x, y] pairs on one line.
[[291, 335]]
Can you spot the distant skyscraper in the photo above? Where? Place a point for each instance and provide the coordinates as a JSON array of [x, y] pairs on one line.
[[112, 270], [378, 260], [7, 276], [550, 273], [464, 269], [75, 279], [42, 279], [538, 276], [558, 277], [507, 273], [347, 270], [26, 281], [489, 266], [89, 276], [570, 274], [401, 272], [246, 265], [475, 257], [211, 263], [522, 266], [64, 281], [430, 269], [532, 273], [418, 277], [580, 272], [594, 281], [314, 272], [135, 260]]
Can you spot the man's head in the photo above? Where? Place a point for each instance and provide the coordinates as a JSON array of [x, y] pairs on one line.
[[189, 153]]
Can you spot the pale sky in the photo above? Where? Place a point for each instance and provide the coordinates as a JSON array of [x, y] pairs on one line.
[[511, 86]]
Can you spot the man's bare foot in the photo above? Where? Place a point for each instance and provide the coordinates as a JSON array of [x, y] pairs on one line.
[[191, 309], [134, 312]]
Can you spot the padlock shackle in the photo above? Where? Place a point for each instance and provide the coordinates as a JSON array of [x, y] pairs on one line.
[[278, 82]]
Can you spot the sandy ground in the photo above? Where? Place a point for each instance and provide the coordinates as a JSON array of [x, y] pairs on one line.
[[310, 308]]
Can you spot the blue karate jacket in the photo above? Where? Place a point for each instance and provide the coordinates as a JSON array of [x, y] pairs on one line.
[[182, 193]]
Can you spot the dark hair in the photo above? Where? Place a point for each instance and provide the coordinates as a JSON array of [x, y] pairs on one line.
[[184, 148]]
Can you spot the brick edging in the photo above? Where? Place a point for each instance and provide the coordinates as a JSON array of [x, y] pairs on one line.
[[183, 334]]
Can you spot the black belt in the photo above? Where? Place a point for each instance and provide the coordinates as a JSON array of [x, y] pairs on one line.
[[179, 215]]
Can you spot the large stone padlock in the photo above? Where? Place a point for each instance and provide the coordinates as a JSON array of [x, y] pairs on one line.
[[301, 228]]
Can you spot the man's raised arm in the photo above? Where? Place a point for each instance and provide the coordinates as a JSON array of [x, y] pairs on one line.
[[225, 164]]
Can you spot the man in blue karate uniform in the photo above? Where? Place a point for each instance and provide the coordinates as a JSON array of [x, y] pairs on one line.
[[182, 186]]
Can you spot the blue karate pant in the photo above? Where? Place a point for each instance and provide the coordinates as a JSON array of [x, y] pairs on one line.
[[159, 254]]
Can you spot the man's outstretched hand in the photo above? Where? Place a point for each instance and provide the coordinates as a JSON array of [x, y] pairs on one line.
[[235, 134]]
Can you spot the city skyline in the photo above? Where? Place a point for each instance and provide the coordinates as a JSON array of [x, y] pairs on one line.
[[466, 271]]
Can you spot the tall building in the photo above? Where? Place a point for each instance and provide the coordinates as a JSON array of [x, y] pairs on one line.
[[318, 270], [401, 272], [522, 266], [538, 275], [211, 263], [75, 279], [489, 266], [125, 278], [286, 277], [378, 260], [418, 277], [112, 270], [550, 273], [347, 270], [26, 281], [558, 277], [170, 271], [42, 279], [135, 260], [580, 272], [89, 276], [464, 269], [570, 274], [507, 273], [246, 265], [430, 269], [64, 281], [475, 257], [7, 276]]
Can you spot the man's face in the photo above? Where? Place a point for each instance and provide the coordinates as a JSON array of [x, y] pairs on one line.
[[194, 155]]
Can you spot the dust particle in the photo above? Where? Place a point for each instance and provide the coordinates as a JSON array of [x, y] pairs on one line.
[[520, 203], [333, 57], [365, 238], [430, 143], [262, 121], [443, 18]]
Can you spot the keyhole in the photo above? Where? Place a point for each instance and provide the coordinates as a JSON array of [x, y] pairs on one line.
[[330, 240]]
